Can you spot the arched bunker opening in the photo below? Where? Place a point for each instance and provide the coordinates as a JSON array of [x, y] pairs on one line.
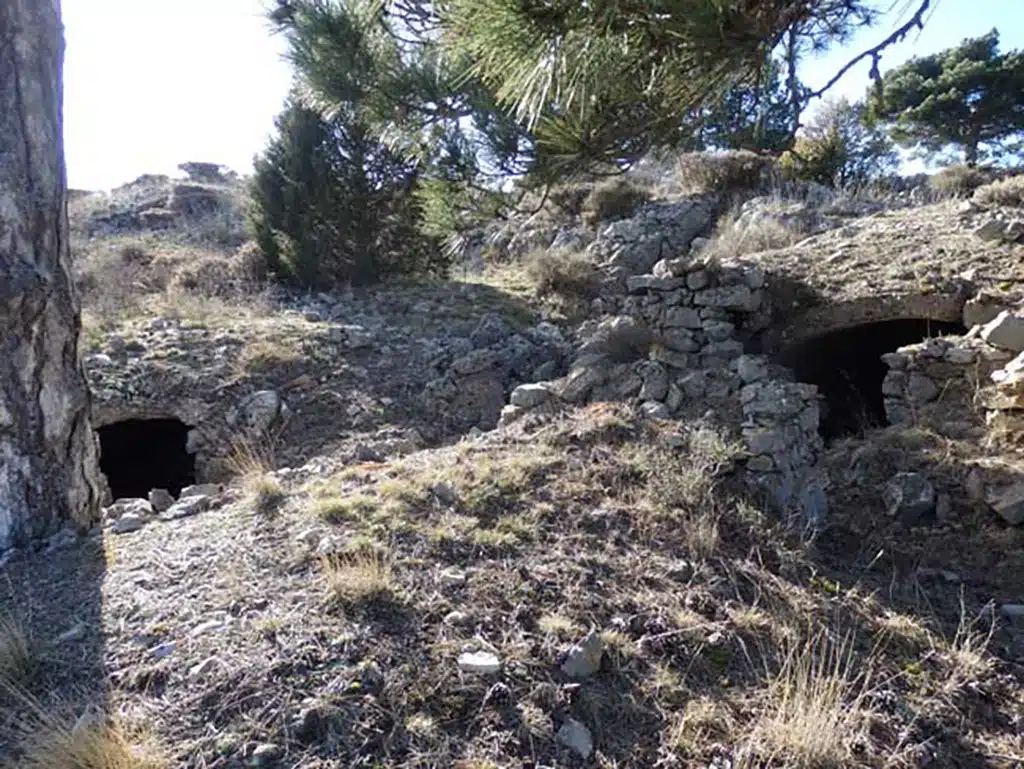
[[846, 365], [137, 455]]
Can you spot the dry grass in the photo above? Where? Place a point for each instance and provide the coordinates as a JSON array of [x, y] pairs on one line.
[[816, 706], [92, 741], [966, 653], [1004, 192], [567, 274], [359, 577], [957, 181], [730, 239], [19, 659], [723, 172], [612, 199], [251, 461]]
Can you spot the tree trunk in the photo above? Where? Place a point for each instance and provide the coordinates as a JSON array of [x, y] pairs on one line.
[[49, 471]]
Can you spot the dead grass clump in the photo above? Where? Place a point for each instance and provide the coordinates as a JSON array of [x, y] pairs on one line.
[[731, 171], [18, 657], [957, 181], [567, 274], [966, 653], [359, 577], [92, 741], [1003, 192], [252, 461], [612, 199], [265, 355], [569, 198], [816, 709], [733, 238]]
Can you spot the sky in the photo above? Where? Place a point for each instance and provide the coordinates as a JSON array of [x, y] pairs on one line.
[[149, 84]]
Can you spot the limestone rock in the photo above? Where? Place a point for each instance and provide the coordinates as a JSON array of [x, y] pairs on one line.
[[530, 396], [1006, 330], [128, 522], [160, 499], [187, 506], [1008, 503], [910, 496], [584, 658], [575, 736], [480, 662]]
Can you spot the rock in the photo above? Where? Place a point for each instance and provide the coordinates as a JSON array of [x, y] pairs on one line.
[[944, 509], [480, 663], [1008, 503], [160, 651], [921, 389], [63, 539], [637, 283], [489, 331], [751, 368], [530, 396], [1012, 610], [655, 410], [160, 499], [1006, 331], [456, 618], [577, 386], [910, 496], [452, 577], [202, 668], [201, 490], [128, 523], [584, 659], [575, 736], [474, 363], [992, 230], [309, 724], [260, 411], [134, 505], [185, 507], [265, 755], [655, 382]]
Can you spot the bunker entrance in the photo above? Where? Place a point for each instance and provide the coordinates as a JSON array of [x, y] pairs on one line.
[[847, 367], [137, 455]]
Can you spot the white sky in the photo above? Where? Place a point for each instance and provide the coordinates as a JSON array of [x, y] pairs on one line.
[[149, 84]]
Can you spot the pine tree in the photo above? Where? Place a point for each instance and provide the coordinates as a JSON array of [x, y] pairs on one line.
[[968, 96], [331, 205]]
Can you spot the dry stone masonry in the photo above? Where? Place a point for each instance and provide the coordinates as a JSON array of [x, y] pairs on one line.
[[675, 350]]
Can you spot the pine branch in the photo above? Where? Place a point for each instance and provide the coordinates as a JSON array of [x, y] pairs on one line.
[[875, 53]]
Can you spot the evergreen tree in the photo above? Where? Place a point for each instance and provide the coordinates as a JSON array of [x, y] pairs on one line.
[[968, 96], [332, 205]]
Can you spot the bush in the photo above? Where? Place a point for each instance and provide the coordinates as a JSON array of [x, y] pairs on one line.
[[732, 171], [958, 180], [564, 273], [1004, 192], [332, 206], [735, 236], [612, 199]]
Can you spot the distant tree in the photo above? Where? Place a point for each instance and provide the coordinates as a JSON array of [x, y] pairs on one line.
[[968, 96], [838, 147], [331, 205], [753, 115]]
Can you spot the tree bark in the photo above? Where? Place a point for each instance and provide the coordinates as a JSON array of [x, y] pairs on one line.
[[49, 472]]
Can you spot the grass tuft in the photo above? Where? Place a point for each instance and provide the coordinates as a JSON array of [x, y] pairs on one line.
[[19, 660], [359, 577], [817, 708]]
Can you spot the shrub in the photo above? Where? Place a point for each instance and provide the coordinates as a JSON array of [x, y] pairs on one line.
[[332, 206], [612, 199], [732, 171], [735, 237], [564, 273], [570, 198], [1003, 192], [958, 180]]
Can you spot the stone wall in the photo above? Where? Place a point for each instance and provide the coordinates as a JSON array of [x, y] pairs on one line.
[[675, 351]]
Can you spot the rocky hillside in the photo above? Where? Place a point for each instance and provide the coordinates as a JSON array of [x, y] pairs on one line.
[[578, 505]]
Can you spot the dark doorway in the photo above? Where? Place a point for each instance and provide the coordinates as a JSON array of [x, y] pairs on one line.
[[847, 367], [142, 454]]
